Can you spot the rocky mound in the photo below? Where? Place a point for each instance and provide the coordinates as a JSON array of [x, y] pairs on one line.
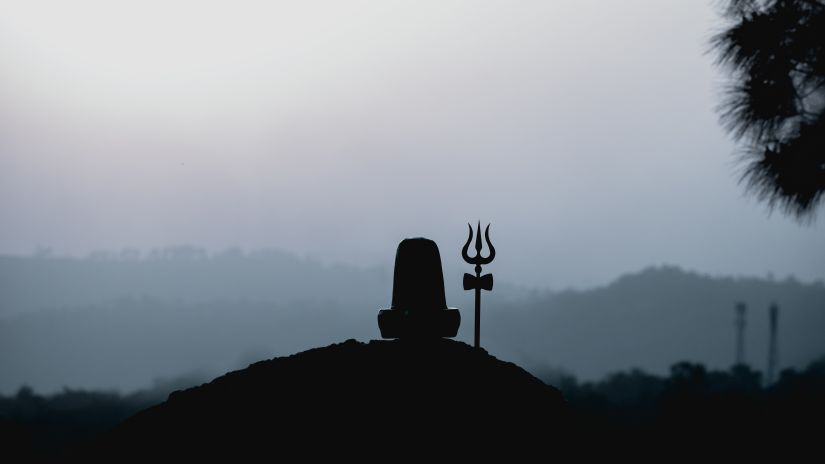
[[382, 399]]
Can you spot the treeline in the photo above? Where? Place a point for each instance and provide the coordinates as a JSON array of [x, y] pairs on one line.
[[727, 408], [692, 404], [47, 426]]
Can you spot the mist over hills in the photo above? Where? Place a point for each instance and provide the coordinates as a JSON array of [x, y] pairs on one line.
[[657, 316], [184, 273], [120, 321]]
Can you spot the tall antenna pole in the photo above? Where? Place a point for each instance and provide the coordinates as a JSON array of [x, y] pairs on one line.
[[741, 308], [773, 347]]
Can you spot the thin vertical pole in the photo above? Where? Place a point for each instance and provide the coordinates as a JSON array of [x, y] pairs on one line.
[[773, 347], [478, 307], [740, 333]]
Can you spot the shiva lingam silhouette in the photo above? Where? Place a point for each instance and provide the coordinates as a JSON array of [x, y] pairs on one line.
[[419, 307]]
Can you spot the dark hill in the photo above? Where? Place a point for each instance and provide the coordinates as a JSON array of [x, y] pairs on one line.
[[378, 399]]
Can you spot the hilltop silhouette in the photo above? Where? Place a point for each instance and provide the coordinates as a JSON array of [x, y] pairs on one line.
[[352, 399]]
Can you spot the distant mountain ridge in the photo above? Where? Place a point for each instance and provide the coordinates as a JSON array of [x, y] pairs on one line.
[[659, 315], [191, 275], [185, 274]]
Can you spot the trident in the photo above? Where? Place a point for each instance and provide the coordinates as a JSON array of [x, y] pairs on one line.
[[478, 282]]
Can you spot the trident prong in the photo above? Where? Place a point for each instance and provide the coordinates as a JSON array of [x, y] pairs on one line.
[[478, 282], [478, 260]]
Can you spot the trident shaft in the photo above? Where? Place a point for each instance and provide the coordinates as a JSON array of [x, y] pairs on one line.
[[478, 282]]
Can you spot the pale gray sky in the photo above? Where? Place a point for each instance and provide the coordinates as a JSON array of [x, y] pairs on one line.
[[584, 131]]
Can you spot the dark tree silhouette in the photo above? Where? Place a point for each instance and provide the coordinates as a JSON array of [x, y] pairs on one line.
[[775, 104]]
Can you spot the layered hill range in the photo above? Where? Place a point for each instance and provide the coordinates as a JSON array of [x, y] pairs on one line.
[[118, 322], [378, 400]]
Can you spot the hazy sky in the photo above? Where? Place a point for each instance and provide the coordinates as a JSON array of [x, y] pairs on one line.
[[585, 131]]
